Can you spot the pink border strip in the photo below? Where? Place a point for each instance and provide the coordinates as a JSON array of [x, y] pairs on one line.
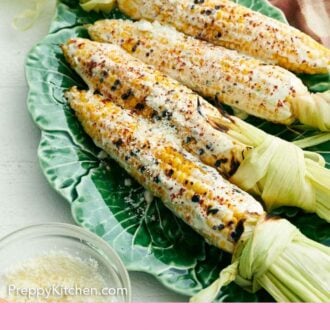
[[164, 316]]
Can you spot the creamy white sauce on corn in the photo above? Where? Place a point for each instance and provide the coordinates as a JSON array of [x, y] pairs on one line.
[[233, 26], [215, 208], [134, 85], [242, 82]]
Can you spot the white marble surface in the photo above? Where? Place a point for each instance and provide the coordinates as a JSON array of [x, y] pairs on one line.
[[25, 196]]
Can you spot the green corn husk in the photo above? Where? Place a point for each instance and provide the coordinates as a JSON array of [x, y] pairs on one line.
[[279, 171], [98, 5], [312, 140], [313, 110], [280, 259]]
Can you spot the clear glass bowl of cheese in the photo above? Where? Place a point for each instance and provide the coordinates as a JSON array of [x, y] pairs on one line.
[[60, 263]]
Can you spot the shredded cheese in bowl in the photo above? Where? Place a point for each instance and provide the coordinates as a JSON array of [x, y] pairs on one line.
[[74, 266], [56, 277]]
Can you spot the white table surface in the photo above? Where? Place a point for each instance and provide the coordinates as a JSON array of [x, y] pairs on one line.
[[25, 196]]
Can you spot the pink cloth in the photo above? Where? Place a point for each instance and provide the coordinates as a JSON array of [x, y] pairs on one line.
[[310, 16]]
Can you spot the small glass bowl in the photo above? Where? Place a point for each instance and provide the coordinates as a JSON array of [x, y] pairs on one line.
[[39, 240]]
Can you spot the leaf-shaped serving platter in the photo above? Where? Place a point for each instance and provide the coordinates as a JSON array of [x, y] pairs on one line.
[[104, 199]]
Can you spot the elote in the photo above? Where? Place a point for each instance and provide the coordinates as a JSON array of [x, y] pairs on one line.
[[278, 171], [155, 158], [242, 82], [228, 24], [226, 216]]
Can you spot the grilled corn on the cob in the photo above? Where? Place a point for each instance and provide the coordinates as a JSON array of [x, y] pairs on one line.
[[247, 84], [233, 26], [154, 157], [226, 216], [278, 171]]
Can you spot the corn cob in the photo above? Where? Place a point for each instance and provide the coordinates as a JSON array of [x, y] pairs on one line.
[[154, 157], [233, 26], [244, 83], [108, 69], [219, 211], [278, 171]]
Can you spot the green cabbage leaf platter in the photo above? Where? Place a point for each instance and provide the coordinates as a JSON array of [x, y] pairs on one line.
[[105, 200]]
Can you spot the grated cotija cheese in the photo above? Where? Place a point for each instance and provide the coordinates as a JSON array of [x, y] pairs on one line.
[[55, 277]]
